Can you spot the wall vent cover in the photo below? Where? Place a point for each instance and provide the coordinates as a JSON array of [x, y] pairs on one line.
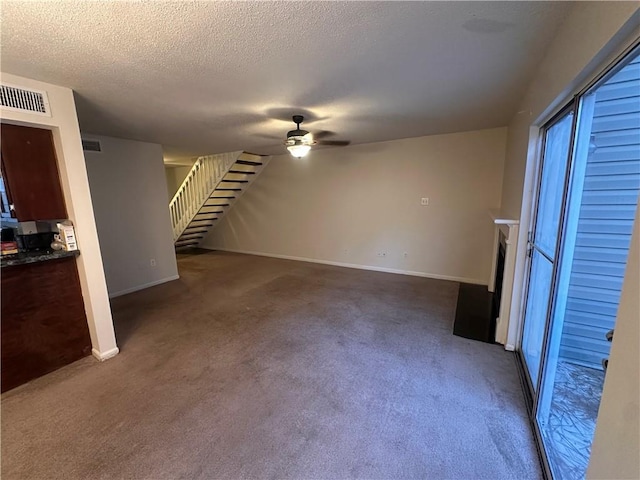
[[23, 100], [91, 145]]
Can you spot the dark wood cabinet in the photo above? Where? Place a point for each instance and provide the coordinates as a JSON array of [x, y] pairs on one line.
[[30, 172], [44, 325]]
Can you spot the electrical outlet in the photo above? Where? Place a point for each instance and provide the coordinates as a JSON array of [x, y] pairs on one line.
[[152, 262], [382, 254], [424, 201]]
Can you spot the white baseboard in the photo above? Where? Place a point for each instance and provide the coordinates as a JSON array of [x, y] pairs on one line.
[[357, 266], [143, 286], [102, 356], [510, 348]]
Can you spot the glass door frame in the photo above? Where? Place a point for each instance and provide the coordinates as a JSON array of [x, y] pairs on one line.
[[571, 107], [533, 395]]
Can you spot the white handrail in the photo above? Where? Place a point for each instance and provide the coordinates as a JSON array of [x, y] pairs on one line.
[[199, 184]]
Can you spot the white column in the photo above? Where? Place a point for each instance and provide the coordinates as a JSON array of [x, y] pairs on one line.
[[63, 124]]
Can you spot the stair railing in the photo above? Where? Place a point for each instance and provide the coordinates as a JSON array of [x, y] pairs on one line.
[[199, 184]]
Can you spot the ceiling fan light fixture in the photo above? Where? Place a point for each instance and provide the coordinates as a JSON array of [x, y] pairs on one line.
[[298, 150]]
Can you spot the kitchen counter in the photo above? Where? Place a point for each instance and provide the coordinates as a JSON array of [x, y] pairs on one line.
[[24, 258]]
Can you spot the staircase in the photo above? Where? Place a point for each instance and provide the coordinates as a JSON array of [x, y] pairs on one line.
[[214, 183]]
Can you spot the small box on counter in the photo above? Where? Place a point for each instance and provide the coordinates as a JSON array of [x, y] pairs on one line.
[[9, 248], [67, 236]]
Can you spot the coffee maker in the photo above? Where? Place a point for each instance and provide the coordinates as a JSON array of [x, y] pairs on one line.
[[33, 236]]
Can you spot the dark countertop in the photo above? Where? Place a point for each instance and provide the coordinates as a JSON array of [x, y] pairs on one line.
[[24, 258]]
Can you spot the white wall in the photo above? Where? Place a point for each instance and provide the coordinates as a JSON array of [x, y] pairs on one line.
[[616, 446], [175, 175], [347, 205], [75, 186], [131, 206]]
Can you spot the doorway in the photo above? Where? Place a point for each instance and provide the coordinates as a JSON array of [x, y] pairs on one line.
[[587, 195]]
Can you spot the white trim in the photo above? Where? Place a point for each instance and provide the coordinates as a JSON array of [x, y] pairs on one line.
[[102, 356], [510, 347], [517, 304], [143, 286], [357, 266]]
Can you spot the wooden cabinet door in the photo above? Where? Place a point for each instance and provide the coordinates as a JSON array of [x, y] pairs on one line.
[[44, 325], [30, 170]]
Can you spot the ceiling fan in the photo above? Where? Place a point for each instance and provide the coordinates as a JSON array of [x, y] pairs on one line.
[[300, 141]]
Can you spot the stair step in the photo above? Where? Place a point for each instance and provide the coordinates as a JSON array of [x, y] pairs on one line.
[[201, 230], [250, 156], [235, 181], [228, 190], [185, 244], [204, 224], [207, 213], [216, 204], [186, 238], [241, 172], [248, 162], [227, 198]]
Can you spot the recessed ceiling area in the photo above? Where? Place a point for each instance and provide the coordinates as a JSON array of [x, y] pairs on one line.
[[209, 77]]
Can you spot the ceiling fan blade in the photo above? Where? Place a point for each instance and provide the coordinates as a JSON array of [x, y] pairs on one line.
[[269, 137], [334, 143], [322, 134]]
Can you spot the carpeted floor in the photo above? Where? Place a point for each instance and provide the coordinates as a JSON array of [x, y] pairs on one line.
[[251, 367]]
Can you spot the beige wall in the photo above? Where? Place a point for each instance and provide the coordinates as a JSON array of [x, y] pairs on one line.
[[348, 205], [131, 206], [616, 446], [591, 34], [175, 175], [75, 185]]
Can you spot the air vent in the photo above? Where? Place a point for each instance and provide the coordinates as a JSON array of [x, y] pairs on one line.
[[91, 145], [22, 100]]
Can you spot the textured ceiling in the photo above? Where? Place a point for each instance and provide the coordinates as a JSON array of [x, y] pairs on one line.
[[205, 77]]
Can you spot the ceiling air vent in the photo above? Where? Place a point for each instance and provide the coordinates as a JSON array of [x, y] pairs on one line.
[[91, 145], [23, 100]]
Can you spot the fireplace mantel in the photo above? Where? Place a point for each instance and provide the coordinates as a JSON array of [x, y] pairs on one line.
[[509, 228]]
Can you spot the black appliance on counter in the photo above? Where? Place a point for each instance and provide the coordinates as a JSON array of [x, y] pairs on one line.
[[35, 241], [33, 236]]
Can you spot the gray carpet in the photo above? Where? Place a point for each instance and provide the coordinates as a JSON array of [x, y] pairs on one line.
[[251, 367]]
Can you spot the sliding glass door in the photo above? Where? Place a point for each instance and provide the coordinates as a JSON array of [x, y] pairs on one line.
[[543, 240], [586, 199]]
